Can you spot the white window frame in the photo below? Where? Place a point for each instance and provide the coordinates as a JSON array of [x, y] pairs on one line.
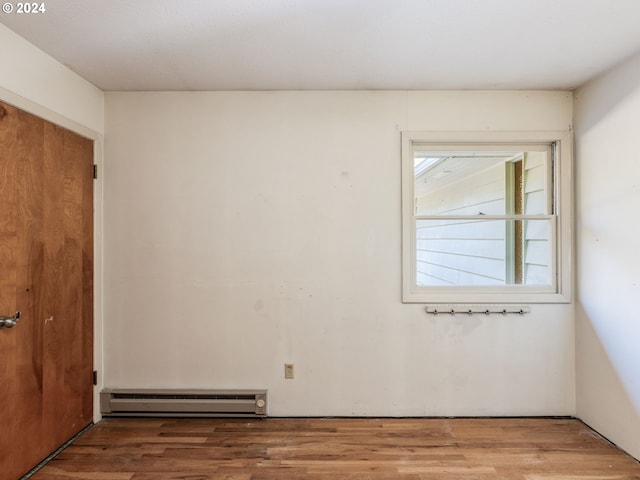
[[562, 244]]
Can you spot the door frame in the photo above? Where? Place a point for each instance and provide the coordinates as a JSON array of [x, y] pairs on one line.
[[33, 108]]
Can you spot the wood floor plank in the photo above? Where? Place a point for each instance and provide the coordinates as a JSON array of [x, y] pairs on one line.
[[60, 474], [343, 449]]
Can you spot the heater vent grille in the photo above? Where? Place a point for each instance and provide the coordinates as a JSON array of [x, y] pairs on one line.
[[183, 403]]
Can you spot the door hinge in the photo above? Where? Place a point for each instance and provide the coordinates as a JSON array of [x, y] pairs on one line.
[[95, 377], [95, 171]]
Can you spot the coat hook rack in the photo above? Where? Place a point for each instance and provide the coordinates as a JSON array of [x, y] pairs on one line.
[[477, 309]]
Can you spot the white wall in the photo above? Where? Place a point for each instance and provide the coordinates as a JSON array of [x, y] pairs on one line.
[[36, 83], [607, 329], [249, 229]]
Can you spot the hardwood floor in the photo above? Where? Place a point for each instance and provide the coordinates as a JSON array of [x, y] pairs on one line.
[[354, 449]]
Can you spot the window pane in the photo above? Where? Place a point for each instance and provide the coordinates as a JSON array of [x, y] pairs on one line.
[[483, 252], [490, 182]]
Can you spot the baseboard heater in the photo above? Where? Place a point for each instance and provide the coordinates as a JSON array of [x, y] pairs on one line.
[[183, 403]]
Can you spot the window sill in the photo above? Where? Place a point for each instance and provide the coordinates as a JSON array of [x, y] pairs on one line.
[[434, 297]]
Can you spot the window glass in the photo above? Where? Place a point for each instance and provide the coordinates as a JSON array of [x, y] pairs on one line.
[[457, 196]]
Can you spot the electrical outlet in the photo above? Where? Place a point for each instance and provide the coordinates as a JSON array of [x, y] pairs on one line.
[[288, 371]]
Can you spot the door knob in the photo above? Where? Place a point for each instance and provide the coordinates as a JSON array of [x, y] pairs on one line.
[[9, 322]]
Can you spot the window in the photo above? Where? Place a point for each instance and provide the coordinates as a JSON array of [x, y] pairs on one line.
[[486, 217]]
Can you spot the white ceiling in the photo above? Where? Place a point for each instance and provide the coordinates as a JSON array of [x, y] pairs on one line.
[[334, 44]]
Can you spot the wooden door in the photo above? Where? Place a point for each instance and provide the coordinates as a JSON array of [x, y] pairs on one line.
[[46, 273]]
